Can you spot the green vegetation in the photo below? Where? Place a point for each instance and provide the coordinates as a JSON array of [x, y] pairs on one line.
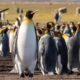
[[45, 11]]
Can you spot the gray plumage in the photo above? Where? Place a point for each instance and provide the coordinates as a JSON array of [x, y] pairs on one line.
[[73, 45], [47, 49], [5, 44], [62, 50], [67, 31]]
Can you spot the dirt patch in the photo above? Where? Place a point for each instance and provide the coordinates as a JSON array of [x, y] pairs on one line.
[[6, 65]]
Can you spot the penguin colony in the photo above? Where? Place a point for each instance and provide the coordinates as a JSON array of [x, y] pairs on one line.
[[54, 49]]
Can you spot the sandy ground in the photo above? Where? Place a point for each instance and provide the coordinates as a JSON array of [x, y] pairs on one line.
[[6, 66]]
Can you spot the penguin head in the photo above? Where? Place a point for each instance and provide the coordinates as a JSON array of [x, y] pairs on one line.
[[39, 32], [74, 29], [5, 29], [57, 27], [71, 24], [62, 27], [29, 14], [67, 28], [50, 25], [57, 34]]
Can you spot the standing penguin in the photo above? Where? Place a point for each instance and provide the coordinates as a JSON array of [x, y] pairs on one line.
[[5, 42], [47, 52], [13, 45], [11, 39], [73, 45], [27, 45]]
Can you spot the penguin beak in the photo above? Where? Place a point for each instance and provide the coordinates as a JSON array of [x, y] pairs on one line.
[[34, 11]]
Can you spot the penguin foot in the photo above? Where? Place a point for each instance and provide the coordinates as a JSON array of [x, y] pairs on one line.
[[30, 75], [67, 71], [50, 73], [26, 73], [70, 72], [22, 75]]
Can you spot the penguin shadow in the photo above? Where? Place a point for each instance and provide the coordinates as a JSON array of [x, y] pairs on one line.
[[37, 72], [69, 73], [78, 74]]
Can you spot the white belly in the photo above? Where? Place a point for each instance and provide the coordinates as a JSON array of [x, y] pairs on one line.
[[26, 45], [1, 52], [11, 40]]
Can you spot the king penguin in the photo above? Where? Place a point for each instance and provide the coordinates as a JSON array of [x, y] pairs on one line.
[[47, 52], [5, 42], [27, 45]]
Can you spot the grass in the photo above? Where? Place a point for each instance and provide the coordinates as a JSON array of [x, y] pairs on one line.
[[45, 11]]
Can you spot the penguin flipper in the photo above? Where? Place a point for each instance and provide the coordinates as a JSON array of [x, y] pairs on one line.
[[36, 39], [40, 49], [14, 51], [14, 46]]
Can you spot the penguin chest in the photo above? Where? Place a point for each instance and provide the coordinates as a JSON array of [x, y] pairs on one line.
[[0, 46], [11, 38], [11, 41], [27, 43]]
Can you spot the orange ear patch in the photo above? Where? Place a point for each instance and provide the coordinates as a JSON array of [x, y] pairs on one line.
[[12, 31], [65, 36], [1, 30], [50, 24]]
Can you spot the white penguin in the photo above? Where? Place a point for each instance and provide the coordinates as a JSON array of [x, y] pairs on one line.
[[27, 45]]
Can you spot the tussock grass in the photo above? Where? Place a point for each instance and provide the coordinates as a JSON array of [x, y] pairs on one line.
[[45, 11]]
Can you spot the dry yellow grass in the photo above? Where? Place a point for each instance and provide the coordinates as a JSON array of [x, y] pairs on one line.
[[45, 11]]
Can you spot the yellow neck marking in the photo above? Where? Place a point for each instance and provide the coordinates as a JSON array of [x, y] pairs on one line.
[[50, 24], [27, 20], [12, 31], [77, 26], [65, 36], [46, 31], [1, 30]]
